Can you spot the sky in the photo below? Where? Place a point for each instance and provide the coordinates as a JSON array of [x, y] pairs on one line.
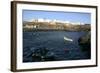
[[64, 16]]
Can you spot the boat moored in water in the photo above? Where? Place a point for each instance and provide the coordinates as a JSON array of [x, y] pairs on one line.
[[68, 39]]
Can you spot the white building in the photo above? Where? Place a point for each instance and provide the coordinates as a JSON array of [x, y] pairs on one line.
[[33, 20], [29, 26], [56, 21], [77, 23], [41, 20]]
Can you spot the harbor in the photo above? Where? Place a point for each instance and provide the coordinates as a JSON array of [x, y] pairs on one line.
[[61, 45]]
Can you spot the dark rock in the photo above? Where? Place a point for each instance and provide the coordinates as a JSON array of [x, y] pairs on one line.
[[85, 43]]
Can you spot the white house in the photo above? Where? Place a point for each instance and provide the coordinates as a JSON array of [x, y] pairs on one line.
[[77, 23]]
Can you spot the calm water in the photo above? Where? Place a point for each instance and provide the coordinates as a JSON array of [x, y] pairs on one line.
[[54, 41]]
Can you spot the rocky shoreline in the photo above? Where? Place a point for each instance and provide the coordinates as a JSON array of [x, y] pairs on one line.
[[85, 43]]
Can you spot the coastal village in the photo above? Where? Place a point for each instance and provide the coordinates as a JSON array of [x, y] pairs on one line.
[[47, 24], [51, 47]]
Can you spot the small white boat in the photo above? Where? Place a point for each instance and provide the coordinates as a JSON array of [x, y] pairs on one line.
[[68, 39]]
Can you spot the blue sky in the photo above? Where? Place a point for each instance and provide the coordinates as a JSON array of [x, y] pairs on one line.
[[66, 16]]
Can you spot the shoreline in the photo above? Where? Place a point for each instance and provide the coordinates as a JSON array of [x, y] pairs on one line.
[[30, 30]]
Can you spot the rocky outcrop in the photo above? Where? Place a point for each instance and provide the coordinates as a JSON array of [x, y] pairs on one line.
[[85, 43]]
